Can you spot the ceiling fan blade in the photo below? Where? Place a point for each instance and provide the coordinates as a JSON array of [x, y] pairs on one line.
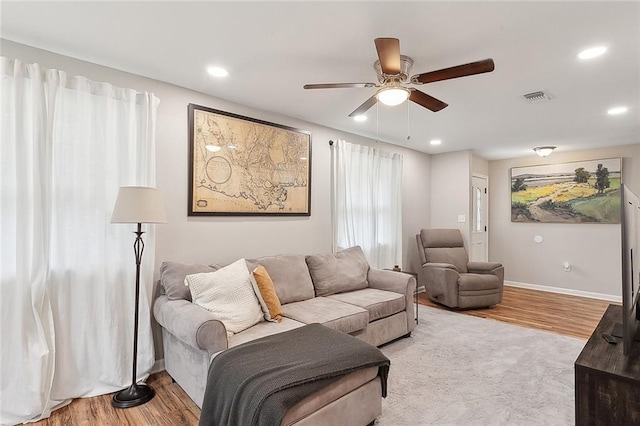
[[365, 106], [338, 85], [479, 67], [427, 101], [389, 55]]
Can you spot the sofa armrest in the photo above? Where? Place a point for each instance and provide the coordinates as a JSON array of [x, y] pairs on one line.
[[398, 283], [391, 281], [191, 323]]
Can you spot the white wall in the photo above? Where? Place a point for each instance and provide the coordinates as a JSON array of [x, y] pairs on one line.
[[225, 239], [592, 249], [479, 165], [451, 191]]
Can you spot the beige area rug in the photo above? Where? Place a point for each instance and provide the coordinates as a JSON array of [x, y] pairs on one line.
[[461, 370]]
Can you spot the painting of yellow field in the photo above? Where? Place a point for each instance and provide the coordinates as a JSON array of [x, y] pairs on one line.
[[576, 192]]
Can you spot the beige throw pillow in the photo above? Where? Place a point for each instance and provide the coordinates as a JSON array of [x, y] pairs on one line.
[[336, 273], [228, 294]]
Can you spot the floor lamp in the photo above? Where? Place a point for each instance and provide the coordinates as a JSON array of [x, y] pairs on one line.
[[137, 204]]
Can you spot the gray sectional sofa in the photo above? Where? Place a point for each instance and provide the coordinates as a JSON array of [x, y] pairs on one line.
[[339, 291]]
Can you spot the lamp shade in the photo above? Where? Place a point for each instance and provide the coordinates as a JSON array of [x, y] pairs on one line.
[[138, 204]]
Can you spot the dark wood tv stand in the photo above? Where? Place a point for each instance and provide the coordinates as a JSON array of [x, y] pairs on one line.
[[607, 382]]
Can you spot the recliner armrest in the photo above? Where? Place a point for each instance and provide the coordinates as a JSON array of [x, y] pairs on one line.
[[493, 268], [191, 323], [441, 280], [483, 267], [439, 265]]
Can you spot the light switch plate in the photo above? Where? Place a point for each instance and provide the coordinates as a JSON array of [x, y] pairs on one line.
[[462, 218]]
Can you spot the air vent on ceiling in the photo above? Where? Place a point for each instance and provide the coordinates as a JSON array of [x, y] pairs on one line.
[[535, 97]]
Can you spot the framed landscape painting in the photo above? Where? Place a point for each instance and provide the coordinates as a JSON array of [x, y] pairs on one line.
[[576, 192], [243, 166]]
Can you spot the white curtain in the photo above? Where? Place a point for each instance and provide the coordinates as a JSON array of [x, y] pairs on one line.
[[367, 202], [67, 274]]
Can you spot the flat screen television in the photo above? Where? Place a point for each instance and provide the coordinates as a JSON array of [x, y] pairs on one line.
[[629, 329]]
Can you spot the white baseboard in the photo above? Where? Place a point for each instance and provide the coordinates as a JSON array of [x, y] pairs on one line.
[[569, 291], [158, 366]]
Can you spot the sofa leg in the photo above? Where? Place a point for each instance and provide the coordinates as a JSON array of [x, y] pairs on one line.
[[407, 335]]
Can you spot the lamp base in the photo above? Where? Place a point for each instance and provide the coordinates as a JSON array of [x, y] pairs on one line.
[[134, 395]]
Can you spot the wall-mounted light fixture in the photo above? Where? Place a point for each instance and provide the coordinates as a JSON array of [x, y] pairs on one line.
[[544, 151]]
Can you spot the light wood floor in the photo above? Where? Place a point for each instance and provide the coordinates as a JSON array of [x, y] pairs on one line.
[[567, 315], [557, 313]]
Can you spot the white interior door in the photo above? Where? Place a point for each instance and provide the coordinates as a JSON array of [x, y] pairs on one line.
[[479, 216]]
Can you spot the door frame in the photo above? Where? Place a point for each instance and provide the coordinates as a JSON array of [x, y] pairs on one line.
[[471, 222]]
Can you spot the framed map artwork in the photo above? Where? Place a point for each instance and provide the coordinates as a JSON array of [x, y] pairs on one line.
[[242, 166]]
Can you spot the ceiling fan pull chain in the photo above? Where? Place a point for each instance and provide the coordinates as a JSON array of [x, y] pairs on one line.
[[377, 122], [408, 123]]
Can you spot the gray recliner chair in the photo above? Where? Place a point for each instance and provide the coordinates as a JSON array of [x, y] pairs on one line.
[[449, 278]]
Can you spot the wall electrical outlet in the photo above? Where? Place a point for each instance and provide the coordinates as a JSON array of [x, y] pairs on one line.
[[566, 266], [462, 218]]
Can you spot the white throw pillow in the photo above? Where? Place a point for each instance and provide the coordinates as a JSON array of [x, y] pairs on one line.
[[228, 294]]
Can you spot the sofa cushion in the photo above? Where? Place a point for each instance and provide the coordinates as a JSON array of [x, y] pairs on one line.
[[262, 329], [228, 294], [379, 303], [172, 276], [343, 271], [332, 313], [289, 274], [266, 292]]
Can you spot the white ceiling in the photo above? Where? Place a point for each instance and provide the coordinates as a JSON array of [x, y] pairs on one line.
[[273, 48]]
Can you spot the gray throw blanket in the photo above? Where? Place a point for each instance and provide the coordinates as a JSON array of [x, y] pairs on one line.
[[257, 382]]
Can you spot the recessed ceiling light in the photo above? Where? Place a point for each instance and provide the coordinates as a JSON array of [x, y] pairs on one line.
[[360, 118], [217, 71], [435, 142], [617, 110], [592, 52]]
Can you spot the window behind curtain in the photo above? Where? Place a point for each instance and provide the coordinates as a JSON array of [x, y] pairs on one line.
[[367, 202], [66, 273]]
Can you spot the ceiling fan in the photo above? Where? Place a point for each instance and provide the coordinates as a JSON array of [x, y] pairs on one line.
[[393, 76]]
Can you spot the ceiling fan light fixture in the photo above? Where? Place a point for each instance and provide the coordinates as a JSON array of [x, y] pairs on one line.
[[544, 151], [392, 96]]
